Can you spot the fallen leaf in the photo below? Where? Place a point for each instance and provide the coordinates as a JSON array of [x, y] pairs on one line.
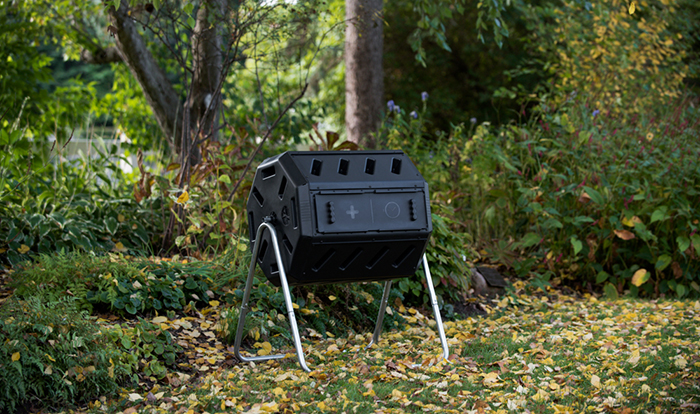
[[624, 234], [595, 381], [15, 357]]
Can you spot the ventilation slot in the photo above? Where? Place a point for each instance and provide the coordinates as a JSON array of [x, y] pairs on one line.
[[287, 243], [283, 186], [377, 257], [316, 167], [262, 251], [268, 172], [396, 166], [343, 166], [403, 256], [274, 269], [251, 227], [322, 262], [350, 259], [295, 221], [369, 166], [258, 197]]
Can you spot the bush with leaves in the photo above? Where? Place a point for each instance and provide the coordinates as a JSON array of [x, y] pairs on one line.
[[53, 355], [143, 348], [49, 204], [598, 198], [123, 284]]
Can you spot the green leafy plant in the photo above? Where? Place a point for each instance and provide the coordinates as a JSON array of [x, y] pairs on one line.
[[53, 355], [126, 285], [599, 199], [145, 348]]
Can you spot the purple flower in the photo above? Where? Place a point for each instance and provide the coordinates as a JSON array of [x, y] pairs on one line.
[[414, 115], [397, 109], [473, 120], [424, 96], [595, 113], [391, 106]]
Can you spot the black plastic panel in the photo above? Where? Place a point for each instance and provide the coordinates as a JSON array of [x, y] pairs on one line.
[[341, 217]]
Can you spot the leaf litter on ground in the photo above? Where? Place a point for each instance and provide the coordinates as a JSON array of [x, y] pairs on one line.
[[531, 353]]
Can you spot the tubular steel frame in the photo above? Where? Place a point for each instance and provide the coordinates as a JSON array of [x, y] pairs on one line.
[[290, 308]]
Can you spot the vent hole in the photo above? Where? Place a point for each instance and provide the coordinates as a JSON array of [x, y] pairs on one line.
[[274, 269], [268, 172], [369, 165], [403, 256], [287, 243], [323, 260], [258, 197], [251, 227], [396, 166], [262, 251], [316, 167], [350, 259], [377, 257], [343, 166], [283, 186], [295, 220]]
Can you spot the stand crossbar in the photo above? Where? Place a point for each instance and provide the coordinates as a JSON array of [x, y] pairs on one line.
[[290, 308]]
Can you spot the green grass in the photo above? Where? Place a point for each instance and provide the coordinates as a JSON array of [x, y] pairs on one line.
[[546, 354]]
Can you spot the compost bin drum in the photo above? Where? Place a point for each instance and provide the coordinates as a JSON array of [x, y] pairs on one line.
[[340, 216]]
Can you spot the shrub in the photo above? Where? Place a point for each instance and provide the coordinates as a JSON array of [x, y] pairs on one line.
[[125, 284], [628, 61], [593, 197], [53, 355], [49, 205]]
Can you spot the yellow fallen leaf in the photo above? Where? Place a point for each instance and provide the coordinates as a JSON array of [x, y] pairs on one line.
[[15, 357], [633, 7], [159, 319], [634, 359], [321, 405], [265, 349], [119, 247], [23, 249], [680, 362], [595, 381], [135, 397], [278, 391], [48, 370], [214, 303], [121, 218], [183, 197], [331, 298]]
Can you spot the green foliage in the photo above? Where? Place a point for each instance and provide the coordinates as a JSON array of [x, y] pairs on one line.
[[144, 348], [591, 196], [125, 285], [53, 355], [50, 205], [626, 63]]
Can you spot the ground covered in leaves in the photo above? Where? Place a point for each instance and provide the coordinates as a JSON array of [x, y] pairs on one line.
[[544, 353]]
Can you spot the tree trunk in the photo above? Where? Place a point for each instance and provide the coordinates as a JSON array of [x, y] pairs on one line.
[[205, 98], [364, 76], [159, 93]]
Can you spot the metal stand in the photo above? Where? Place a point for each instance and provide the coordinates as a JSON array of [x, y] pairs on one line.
[[290, 308]]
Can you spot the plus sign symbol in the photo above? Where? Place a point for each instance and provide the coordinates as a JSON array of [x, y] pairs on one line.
[[352, 212]]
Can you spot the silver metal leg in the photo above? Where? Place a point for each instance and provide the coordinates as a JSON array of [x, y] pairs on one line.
[[436, 309], [287, 300], [433, 301], [380, 317]]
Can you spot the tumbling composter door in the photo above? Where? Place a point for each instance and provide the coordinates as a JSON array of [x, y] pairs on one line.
[[341, 216]]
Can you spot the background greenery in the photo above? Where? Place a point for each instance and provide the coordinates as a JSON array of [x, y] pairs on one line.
[[568, 156]]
